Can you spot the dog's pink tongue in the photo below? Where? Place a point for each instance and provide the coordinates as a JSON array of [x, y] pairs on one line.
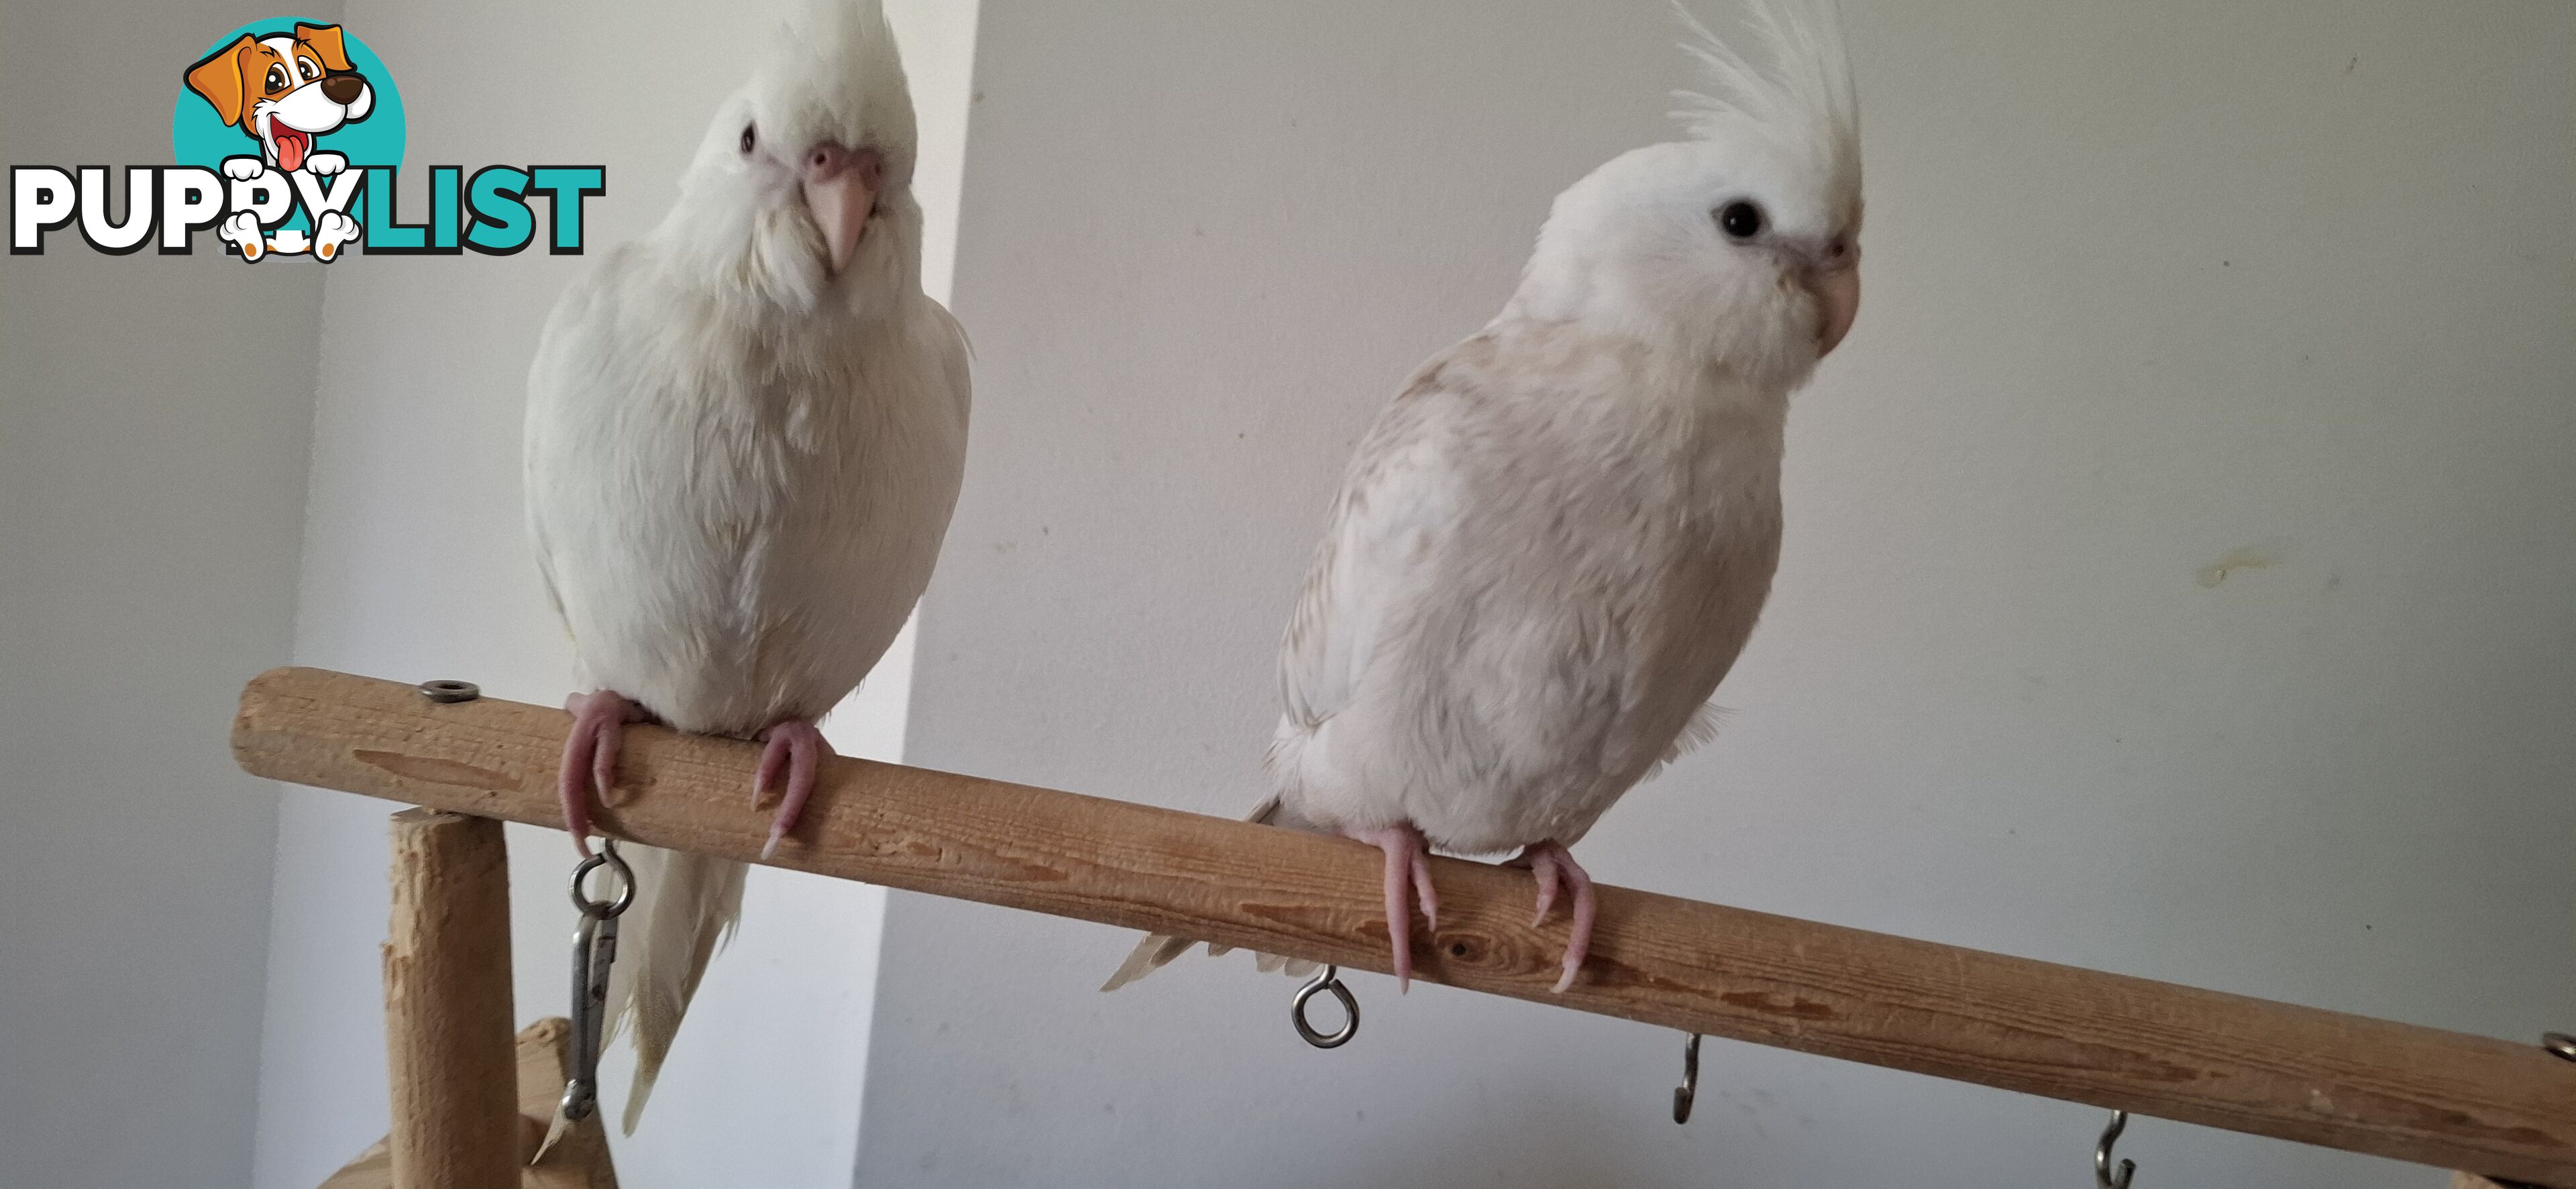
[[290, 149]]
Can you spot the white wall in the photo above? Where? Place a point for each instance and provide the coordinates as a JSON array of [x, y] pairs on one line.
[[2148, 285], [414, 567], [153, 420]]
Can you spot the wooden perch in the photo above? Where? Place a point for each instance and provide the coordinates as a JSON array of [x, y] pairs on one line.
[[2504, 1109]]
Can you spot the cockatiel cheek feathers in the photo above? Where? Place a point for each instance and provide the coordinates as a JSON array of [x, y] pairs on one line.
[[1740, 244], [804, 178]]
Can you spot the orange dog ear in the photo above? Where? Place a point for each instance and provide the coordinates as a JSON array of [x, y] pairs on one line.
[[325, 40], [219, 78]]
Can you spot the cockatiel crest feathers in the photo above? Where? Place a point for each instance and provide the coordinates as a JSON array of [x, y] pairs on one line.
[[834, 73], [801, 167], [1712, 245], [1801, 98]]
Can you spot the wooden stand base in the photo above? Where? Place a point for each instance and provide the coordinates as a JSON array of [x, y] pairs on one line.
[[580, 1161]]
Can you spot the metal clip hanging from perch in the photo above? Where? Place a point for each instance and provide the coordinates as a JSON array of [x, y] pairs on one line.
[[594, 953]]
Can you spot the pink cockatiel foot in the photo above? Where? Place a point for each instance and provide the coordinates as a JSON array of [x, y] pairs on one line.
[[590, 756], [1551, 864], [793, 748], [1408, 870], [796, 748]]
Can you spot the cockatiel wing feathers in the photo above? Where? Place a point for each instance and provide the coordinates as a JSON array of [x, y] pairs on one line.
[[1395, 504], [1398, 499]]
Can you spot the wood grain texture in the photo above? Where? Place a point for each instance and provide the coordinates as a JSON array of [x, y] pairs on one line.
[[2396, 1090], [448, 1050]]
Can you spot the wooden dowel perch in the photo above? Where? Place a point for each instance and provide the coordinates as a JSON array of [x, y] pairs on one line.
[[2504, 1109]]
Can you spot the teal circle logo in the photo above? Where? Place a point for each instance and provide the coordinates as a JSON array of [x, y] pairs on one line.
[[288, 90]]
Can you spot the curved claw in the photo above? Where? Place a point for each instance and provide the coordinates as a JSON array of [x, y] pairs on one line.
[[796, 748], [1408, 869], [1550, 863], [590, 749]]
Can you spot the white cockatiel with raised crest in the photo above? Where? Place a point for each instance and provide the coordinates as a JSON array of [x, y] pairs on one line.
[[745, 435], [1553, 544]]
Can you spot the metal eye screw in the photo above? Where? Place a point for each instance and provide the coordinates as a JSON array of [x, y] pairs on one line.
[[2560, 1044], [448, 690], [1328, 979], [1688, 1092], [609, 858], [2103, 1178]]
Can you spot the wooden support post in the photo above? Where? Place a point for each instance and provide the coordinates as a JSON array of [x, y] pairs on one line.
[[2501, 1108], [448, 1045]]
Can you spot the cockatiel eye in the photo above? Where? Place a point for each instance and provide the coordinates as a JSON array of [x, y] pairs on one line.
[[1740, 219], [748, 139]]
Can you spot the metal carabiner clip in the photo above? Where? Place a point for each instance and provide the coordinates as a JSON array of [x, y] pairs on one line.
[[594, 951]]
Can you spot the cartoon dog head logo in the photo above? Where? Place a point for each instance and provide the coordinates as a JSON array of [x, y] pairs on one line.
[[283, 90]]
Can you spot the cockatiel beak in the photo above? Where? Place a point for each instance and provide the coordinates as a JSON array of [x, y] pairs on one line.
[[1834, 279], [840, 186], [1835, 282]]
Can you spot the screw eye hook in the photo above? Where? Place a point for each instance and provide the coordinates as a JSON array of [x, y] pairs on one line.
[[1688, 1092], [608, 857], [2103, 1177], [1327, 979]]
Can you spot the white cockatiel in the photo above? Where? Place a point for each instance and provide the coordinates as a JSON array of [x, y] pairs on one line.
[[745, 435], [1553, 544]]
